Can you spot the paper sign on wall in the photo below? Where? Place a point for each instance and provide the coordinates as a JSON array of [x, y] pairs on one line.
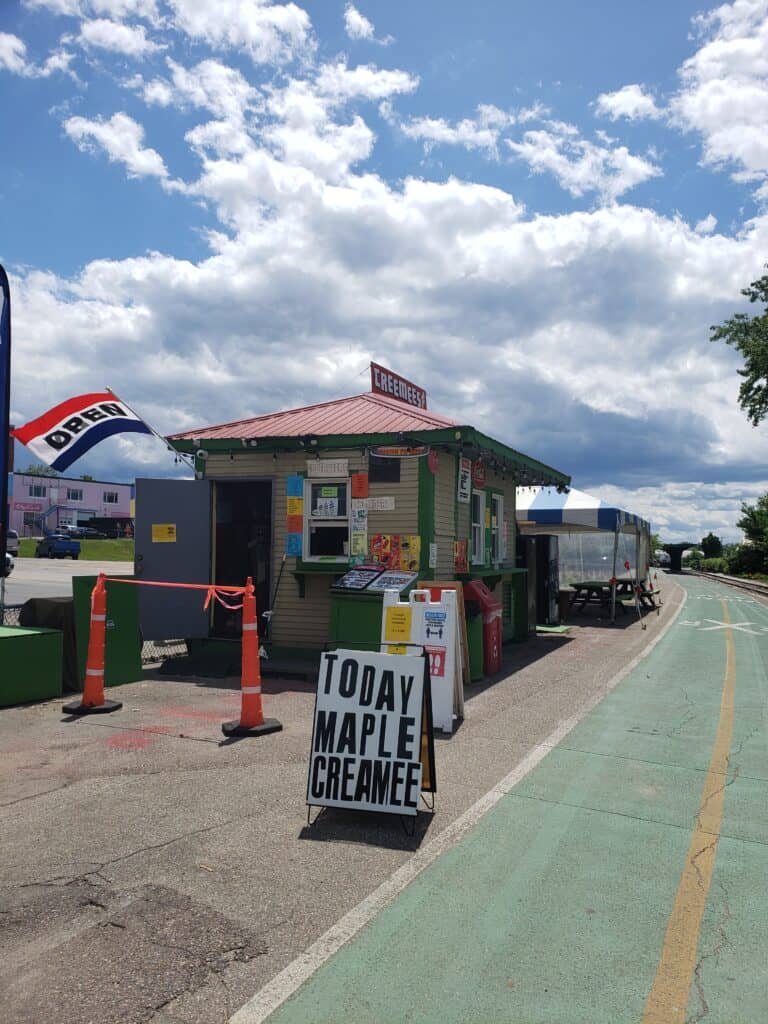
[[367, 734], [163, 533], [465, 480]]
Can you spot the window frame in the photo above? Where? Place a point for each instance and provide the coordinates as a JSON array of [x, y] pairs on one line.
[[477, 529], [110, 498], [38, 491], [325, 522], [497, 532], [71, 491]]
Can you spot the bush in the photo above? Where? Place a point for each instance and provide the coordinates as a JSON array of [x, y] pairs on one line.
[[713, 565], [745, 559]]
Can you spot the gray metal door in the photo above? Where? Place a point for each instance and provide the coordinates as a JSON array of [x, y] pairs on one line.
[[173, 545]]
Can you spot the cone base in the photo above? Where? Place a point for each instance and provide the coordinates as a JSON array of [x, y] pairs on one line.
[[267, 726], [78, 708]]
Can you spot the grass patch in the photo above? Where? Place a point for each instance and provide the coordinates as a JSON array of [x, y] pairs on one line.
[[104, 550]]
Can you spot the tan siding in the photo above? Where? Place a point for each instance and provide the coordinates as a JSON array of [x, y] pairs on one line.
[[305, 621], [445, 513], [405, 518]]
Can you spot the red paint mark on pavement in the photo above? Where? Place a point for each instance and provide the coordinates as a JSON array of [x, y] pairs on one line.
[[134, 739]]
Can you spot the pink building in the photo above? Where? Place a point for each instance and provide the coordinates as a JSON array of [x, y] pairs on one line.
[[41, 504]]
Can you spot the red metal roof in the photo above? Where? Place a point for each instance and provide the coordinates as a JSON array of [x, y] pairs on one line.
[[361, 414]]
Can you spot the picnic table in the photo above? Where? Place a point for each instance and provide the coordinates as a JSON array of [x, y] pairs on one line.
[[585, 592]]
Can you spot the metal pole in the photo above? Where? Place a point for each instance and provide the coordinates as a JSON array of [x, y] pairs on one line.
[[180, 455], [5, 425], [613, 574]]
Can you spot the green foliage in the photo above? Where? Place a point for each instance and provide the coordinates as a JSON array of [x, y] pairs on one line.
[[749, 335], [712, 546], [39, 469], [713, 565], [745, 560], [754, 523]]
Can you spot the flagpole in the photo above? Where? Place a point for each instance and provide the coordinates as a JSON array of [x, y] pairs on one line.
[[5, 424], [169, 447]]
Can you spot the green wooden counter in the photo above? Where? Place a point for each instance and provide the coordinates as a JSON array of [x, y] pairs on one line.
[[30, 664]]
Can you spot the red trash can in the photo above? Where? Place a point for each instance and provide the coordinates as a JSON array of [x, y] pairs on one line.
[[491, 611]]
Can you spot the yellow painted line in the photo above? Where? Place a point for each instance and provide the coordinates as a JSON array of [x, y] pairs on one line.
[[668, 998]]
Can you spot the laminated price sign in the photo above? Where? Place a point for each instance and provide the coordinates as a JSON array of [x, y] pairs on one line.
[[370, 713]]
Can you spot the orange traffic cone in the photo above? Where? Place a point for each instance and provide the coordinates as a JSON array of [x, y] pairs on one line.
[[93, 702], [252, 721]]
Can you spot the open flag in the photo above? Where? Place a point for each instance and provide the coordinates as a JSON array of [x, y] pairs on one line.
[[60, 436]]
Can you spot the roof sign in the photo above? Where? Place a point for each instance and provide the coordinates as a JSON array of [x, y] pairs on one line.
[[385, 382]]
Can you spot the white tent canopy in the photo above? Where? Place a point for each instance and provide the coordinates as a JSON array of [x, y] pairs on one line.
[[544, 510], [597, 540]]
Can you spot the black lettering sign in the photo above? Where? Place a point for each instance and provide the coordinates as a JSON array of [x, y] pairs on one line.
[[367, 738]]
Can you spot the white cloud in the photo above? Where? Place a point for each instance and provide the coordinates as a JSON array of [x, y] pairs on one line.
[[357, 26], [115, 37], [270, 33], [707, 225], [340, 83], [724, 93], [581, 166], [13, 57], [482, 132], [688, 511], [121, 139], [603, 314], [116, 9], [13, 54], [631, 102]]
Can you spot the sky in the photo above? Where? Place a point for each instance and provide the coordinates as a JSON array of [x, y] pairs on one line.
[[534, 210]]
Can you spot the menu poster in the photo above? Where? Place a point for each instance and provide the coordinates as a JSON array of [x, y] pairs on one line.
[[460, 556], [358, 578], [410, 553], [393, 581], [359, 485]]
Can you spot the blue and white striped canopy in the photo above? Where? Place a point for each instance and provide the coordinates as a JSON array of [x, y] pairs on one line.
[[543, 510]]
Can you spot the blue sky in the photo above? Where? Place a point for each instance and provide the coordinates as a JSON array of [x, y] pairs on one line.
[[534, 210]]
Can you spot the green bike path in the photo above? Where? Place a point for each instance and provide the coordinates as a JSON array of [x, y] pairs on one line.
[[624, 879]]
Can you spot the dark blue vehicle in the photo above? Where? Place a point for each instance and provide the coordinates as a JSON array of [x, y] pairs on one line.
[[57, 545]]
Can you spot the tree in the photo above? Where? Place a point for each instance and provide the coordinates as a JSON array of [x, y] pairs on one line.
[[754, 523], [712, 546], [749, 334], [39, 469], [86, 477]]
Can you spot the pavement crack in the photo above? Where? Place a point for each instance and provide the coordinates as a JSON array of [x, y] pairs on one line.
[[34, 796], [698, 973], [689, 715]]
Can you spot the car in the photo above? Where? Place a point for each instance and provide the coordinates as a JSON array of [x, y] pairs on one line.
[[8, 564], [57, 545], [88, 533], [12, 543]]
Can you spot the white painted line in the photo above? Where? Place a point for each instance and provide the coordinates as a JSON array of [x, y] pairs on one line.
[[289, 980]]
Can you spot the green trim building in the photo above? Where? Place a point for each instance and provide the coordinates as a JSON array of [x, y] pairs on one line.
[[364, 478]]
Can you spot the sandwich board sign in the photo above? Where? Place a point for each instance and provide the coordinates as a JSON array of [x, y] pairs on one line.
[[371, 713], [434, 625]]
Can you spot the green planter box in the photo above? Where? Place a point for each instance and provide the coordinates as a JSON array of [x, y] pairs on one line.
[[31, 660], [356, 621], [122, 659]]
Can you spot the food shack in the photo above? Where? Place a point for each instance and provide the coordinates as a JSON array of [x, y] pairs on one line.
[[326, 507]]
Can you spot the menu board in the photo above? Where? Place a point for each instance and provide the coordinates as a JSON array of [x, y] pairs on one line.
[[358, 578], [393, 581]]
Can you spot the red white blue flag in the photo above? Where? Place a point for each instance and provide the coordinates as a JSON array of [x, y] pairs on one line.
[[70, 429]]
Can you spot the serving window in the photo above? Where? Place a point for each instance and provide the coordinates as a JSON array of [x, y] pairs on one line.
[[326, 519]]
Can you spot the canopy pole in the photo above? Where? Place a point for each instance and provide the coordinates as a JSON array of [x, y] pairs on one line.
[[613, 574]]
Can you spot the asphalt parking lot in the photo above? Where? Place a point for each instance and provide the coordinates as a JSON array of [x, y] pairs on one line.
[[52, 577], [155, 872]]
